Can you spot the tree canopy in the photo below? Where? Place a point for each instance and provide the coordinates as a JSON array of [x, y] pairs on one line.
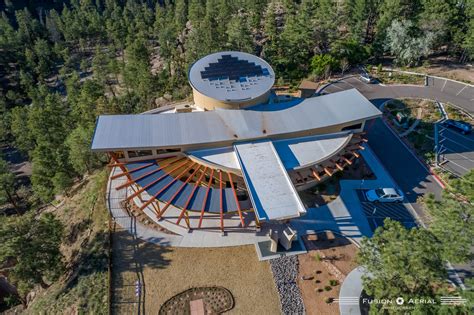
[[32, 245]]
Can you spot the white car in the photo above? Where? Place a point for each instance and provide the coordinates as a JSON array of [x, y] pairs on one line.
[[384, 195]]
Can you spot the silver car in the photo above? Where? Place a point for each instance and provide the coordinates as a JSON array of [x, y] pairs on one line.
[[384, 195]]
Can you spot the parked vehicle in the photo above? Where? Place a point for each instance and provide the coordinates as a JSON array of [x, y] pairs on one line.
[[384, 195], [367, 78], [458, 125]]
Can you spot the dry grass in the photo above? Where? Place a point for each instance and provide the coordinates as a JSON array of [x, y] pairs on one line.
[[169, 271]]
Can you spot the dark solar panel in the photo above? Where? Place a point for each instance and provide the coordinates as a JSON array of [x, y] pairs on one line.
[[232, 68]]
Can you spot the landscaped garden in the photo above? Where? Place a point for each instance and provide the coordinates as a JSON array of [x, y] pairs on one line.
[[403, 114], [393, 77], [322, 270]]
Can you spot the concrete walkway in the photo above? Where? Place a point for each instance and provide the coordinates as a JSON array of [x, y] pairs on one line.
[[351, 289], [344, 216]]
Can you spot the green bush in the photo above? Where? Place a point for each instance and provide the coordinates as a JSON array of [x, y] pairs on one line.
[[328, 288], [333, 282]]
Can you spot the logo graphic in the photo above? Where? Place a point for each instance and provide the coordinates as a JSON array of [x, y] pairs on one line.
[[348, 300], [400, 300], [453, 300]]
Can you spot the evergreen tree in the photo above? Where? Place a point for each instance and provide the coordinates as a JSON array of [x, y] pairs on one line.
[[238, 34], [34, 245], [455, 213], [402, 263]]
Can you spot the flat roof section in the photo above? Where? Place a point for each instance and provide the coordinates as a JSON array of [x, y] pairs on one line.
[[224, 127], [272, 194], [231, 76], [298, 153]]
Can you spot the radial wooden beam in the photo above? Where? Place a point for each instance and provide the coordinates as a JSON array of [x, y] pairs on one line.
[[221, 206], [132, 170], [360, 147], [155, 181], [339, 166], [186, 205], [356, 154], [167, 186], [178, 191], [236, 200], [205, 198], [347, 160], [315, 174], [327, 171]]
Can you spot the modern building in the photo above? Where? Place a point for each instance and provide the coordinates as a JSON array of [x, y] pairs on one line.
[[237, 156]]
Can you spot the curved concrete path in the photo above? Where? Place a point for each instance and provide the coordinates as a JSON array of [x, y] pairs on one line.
[[351, 290]]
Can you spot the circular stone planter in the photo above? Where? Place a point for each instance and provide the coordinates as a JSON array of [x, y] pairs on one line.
[[216, 300]]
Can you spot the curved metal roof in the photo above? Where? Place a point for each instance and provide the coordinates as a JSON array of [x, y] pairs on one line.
[[231, 76], [224, 127]]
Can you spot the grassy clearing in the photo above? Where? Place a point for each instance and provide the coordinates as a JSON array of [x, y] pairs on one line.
[[84, 287], [387, 77]]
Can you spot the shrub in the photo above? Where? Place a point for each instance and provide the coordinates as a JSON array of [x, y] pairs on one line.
[[328, 300], [328, 288], [333, 282], [317, 258]]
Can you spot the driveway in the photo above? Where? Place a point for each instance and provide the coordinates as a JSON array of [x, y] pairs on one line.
[[442, 90]]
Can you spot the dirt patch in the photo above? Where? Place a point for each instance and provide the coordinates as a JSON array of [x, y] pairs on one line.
[[167, 271], [322, 270]]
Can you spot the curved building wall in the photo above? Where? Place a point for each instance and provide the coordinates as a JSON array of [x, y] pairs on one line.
[[209, 103]]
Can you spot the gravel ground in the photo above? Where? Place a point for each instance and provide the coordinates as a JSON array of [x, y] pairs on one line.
[[285, 274]]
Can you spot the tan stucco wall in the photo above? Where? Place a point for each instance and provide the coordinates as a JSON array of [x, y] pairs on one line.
[[209, 103]]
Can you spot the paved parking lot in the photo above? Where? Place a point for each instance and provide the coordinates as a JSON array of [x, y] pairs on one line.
[[456, 151], [376, 213]]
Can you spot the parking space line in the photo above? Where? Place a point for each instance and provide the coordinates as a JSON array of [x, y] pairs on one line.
[[461, 90], [451, 161], [442, 89], [460, 144]]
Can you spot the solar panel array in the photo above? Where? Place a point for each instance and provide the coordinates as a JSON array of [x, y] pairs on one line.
[[233, 69]]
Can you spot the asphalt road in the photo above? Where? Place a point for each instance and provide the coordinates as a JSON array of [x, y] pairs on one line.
[[457, 151], [442, 90]]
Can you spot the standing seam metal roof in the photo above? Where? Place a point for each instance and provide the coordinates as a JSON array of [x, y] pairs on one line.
[[116, 132]]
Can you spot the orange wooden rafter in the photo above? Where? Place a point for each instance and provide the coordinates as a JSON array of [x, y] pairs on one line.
[[236, 200], [132, 170], [154, 182], [356, 154], [186, 205], [178, 191], [315, 174], [327, 171], [339, 167], [132, 181], [167, 185], [347, 160], [205, 198]]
